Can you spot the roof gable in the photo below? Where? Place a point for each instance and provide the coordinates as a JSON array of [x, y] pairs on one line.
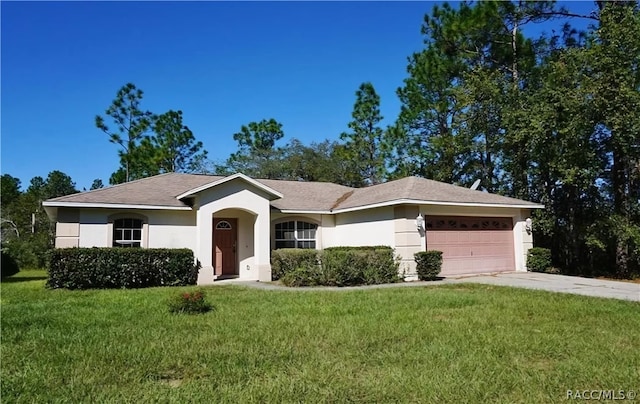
[[239, 176]]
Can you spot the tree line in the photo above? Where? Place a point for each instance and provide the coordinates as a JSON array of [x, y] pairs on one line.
[[552, 119]]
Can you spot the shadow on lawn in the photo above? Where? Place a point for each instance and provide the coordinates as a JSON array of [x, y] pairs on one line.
[[15, 279]]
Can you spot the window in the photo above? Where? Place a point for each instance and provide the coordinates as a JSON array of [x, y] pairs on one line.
[[223, 225], [296, 234], [127, 233]]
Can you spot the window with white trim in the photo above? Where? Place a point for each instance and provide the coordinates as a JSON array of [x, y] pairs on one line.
[[127, 232], [296, 234]]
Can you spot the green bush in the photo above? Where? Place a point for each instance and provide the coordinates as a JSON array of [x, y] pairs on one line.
[[287, 260], [539, 260], [342, 267], [29, 251], [8, 266], [304, 276], [87, 268], [360, 248], [190, 303], [428, 264], [339, 266]]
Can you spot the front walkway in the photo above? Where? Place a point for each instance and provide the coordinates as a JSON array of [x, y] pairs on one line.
[[528, 280]]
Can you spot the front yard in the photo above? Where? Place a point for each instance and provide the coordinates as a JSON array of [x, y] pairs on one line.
[[450, 343]]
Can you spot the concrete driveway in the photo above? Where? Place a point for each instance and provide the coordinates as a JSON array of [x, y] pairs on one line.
[[528, 280], [560, 283]]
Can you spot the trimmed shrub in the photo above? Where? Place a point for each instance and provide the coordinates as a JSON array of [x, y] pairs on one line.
[[304, 276], [359, 248], [103, 268], [429, 264], [341, 267], [8, 266], [287, 260], [539, 260], [337, 266], [190, 303]]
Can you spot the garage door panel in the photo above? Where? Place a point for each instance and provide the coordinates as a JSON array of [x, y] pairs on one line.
[[471, 244]]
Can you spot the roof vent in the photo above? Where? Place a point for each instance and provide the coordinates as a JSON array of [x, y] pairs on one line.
[[475, 185]]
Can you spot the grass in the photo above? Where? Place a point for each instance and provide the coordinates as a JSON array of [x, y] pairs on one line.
[[449, 343]]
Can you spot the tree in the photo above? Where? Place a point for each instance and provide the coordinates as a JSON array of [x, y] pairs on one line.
[[9, 195], [175, 147], [27, 233], [257, 155], [613, 82], [426, 141], [10, 191], [364, 146], [131, 127], [320, 161], [97, 184], [552, 119], [58, 184]]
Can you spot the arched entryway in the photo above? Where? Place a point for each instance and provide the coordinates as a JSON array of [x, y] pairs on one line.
[[233, 247], [225, 245]]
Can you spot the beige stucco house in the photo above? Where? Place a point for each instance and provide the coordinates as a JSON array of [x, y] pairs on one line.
[[232, 223]]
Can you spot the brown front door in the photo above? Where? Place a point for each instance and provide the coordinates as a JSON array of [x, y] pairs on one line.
[[225, 236]]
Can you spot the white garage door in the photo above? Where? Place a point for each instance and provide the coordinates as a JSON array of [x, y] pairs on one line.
[[471, 244]]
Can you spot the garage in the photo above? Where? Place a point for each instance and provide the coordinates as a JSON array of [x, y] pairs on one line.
[[471, 244]]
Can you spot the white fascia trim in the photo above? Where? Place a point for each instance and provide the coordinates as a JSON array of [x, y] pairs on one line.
[[422, 202], [297, 212], [111, 206], [231, 178]]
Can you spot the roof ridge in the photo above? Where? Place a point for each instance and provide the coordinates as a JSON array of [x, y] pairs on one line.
[[341, 199], [303, 182]]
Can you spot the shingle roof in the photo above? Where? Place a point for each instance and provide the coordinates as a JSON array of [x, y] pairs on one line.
[[300, 195], [415, 188], [162, 190], [159, 190]]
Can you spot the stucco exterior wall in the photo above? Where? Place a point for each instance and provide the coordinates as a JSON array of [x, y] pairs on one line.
[[68, 228], [408, 240], [163, 229], [94, 231], [234, 195], [523, 237], [362, 228], [172, 229]]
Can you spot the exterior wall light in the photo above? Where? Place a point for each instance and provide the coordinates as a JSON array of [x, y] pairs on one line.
[[527, 225], [420, 222]]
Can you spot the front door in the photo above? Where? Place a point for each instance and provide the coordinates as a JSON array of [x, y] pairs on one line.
[[225, 236]]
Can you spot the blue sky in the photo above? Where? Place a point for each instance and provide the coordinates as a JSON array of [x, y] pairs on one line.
[[224, 64]]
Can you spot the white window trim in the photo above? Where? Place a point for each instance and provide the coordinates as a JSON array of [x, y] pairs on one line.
[[145, 227], [295, 233]]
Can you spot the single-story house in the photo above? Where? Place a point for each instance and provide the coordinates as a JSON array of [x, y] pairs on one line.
[[232, 223]]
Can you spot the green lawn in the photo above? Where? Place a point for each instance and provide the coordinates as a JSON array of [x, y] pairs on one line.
[[450, 343]]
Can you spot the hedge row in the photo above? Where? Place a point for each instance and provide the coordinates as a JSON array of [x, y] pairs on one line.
[[87, 268], [336, 266], [287, 260]]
